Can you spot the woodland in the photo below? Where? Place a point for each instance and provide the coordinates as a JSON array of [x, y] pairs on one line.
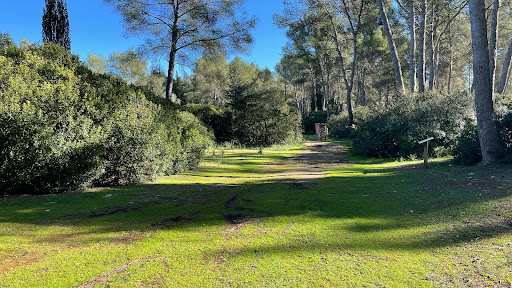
[[68, 124], [128, 171]]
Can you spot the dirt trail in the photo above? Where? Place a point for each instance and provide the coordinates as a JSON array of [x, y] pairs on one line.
[[312, 161], [306, 168]]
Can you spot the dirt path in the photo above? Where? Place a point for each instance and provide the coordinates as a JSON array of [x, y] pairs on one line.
[[311, 162]]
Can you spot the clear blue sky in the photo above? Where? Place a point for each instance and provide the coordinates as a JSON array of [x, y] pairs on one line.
[[96, 28]]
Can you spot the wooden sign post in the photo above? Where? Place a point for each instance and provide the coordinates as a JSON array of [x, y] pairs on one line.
[[425, 150]]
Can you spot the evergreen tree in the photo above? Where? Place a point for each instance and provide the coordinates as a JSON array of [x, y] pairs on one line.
[[56, 23], [180, 28]]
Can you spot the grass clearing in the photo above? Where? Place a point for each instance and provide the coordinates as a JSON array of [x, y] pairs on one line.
[[235, 222]]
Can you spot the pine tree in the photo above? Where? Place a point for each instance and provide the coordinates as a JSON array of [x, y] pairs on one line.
[[56, 23], [180, 28]]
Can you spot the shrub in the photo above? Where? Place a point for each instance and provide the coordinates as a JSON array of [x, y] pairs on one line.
[[261, 118], [218, 119], [63, 127], [467, 149], [504, 126], [338, 126], [46, 143], [394, 131]]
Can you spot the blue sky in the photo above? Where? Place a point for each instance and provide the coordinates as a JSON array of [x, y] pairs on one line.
[[96, 28]]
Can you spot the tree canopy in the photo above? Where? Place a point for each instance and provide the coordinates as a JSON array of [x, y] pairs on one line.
[[180, 28]]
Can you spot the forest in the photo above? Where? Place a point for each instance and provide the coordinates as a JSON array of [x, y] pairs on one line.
[[346, 61]]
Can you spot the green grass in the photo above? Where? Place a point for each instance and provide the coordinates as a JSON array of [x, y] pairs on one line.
[[233, 223]]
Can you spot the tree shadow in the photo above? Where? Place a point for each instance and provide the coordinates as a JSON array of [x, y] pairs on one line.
[[386, 200]]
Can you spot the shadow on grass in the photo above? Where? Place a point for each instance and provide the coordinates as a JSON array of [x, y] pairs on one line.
[[433, 208]]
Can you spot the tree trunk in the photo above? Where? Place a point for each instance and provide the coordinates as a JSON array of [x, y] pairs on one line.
[[470, 74], [412, 48], [436, 66], [431, 44], [450, 72], [344, 73], [363, 88], [324, 93], [170, 73], [482, 83], [421, 47], [493, 47], [297, 102], [505, 73], [387, 94], [314, 100], [358, 94], [172, 53], [392, 49], [324, 83], [327, 96]]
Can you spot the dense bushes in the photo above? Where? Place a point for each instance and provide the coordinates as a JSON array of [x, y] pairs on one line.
[[262, 118], [63, 127], [218, 119], [257, 118], [394, 131], [338, 126], [467, 150]]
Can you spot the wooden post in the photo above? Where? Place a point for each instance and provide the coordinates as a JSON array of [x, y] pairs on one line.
[[425, 154], [425, 150]]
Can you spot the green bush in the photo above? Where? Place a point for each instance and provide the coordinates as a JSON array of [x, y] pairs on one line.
[[218, 119], [262, 118], [308, 123], [338, 126], [504, 126], [467, 150], [63, 127], [46, 143], [395, 130]]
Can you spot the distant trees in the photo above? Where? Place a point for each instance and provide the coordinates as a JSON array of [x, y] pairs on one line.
[[56, 23], [175, 26], [97, 63], [240, 102], [425, 40], [128, 65], [374, 43], [324, 57], [392, 48], [211, 80]]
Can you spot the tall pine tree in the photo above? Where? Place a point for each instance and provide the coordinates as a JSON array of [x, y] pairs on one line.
[[56, 23]]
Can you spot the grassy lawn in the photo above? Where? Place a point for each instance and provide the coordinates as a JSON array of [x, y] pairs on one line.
[[235, 223]]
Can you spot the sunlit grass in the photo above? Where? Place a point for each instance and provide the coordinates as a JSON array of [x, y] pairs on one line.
[[374, 223]]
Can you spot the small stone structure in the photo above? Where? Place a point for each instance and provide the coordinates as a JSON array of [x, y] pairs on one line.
[[321, 131]]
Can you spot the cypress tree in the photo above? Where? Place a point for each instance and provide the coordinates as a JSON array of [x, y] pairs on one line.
[[56, 23]]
